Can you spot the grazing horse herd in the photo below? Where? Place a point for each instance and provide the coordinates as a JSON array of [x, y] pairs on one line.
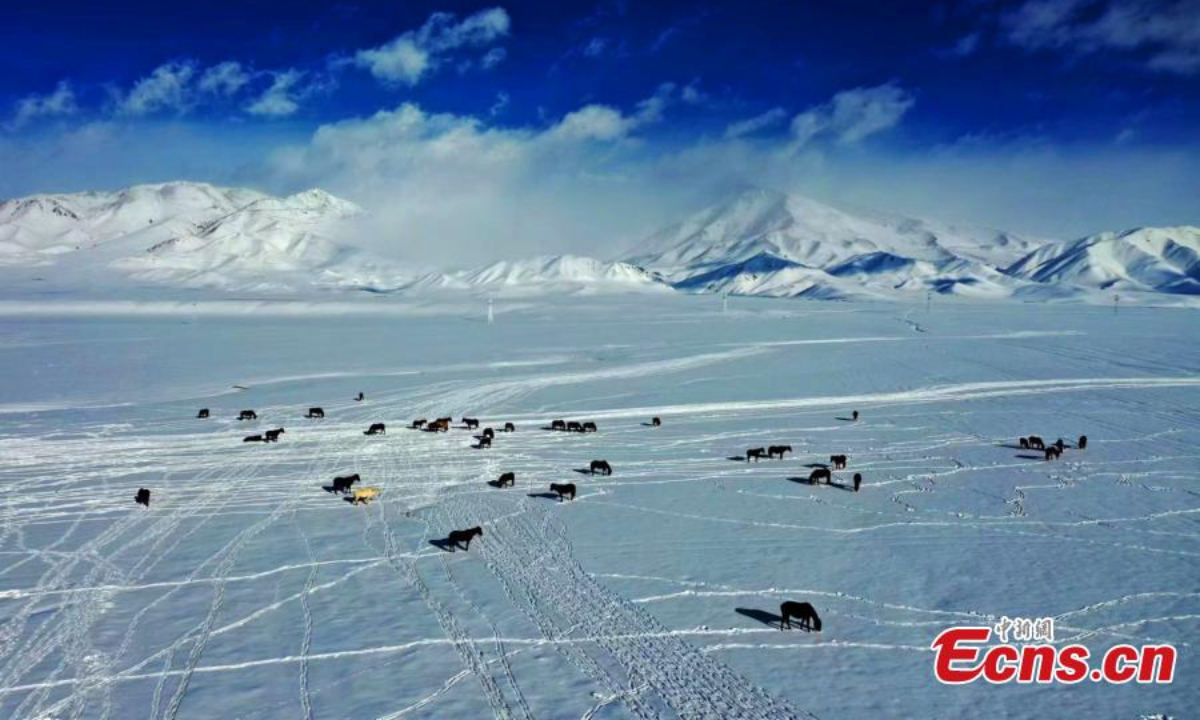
[[1052, 452]]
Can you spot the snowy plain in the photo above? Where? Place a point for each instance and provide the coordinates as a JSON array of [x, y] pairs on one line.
[[247, 591]]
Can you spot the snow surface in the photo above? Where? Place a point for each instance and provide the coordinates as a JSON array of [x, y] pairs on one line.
[[247, 591]]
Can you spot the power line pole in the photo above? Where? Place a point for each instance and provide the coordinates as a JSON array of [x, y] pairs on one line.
[[491, 314]]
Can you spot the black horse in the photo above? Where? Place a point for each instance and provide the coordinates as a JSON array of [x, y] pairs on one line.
[[507, 479], [1082, 444], [489, 433], [471, 423], [756, 453], [1024, 443], [820, 474], [854, 415], [600, 466], [462, 538], [857, 481], [558, 425], [838, 461], [272, 435], [343, 484], [804, 612], [376, 429], [1052, 452], [509, 427], [485, 441], [247, 415], [360, 397], [656, 422], [573, 426], [142, 497], [315, 413], [778, 450], [589, 427], [418, 424], [202, 414], [1037, 443], [563, 489]]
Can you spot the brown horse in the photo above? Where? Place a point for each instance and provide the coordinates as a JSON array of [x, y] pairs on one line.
[[819, 474], [563, 489], [600, 466], [462, 538], [778, 450], [802, 611], [756, 453], [838, 461], [1053, 453], [507, 479]]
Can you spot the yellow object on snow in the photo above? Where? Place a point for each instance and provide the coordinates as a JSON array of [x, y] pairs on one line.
[[364, 495]]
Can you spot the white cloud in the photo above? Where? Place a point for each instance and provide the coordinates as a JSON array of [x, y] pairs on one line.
[[853, 115], [409, 57], [168, 88], [751, 125], [61, 102], [224, 78], [492, 58], [595, 47], [281, 98], [966, 45], [1164, 33], [500, 105], [593, 122]]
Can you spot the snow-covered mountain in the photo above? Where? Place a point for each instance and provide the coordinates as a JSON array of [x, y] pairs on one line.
[[187, 234], [561, 274], [763, 242], [1164, 260]]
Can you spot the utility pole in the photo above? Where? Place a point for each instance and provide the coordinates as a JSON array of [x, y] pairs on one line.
[[724, 302], [928, 301], [491, 314], [1116, 303]]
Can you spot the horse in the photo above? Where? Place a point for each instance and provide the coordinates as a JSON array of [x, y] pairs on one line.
[[854, 415], [376, 429], [1053, 453], [343, 484], [471, 423], [1036, 443], [315, 413], [507, 479], [815, 476], [778, 450], [418, 424], [1082, 444], [589, 427], [143, 497], [1060, 444], [600, 466], [563, 489], [445, 420], [272, 435], [857, 481], [485, 441], [558, 425], [756, 453], [462, 538], [656, 422], [254, 438], [574, 427], [838, 461], [1024, 443], [202, 414], [440, 425], [247, 415], [489, 433], [360, 397], [509, 427], [802, 611]]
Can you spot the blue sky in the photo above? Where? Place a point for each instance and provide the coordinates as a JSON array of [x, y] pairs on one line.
[[1052, 117]]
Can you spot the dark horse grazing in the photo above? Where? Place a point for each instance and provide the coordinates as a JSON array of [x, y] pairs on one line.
[[143, 497], [489, 433], [1053, 452], [600, 466], [558, 425], [272, 435], [202, 414], [509, 427], [485, 441], [573, 426], [462, 538], [817, 475], [778, 450], [254, 438], [1024, 443], [437, 426], [802, 611], [315, 413], [247, 415], [838, 461], [376, 429], [342, 484], [563, 489], [857, 481], [360, 397], [756, 453], [418, 424], [1037, 443], [589, 427], [507, 479], [471, 423], [1082, 444], [656, 422]]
